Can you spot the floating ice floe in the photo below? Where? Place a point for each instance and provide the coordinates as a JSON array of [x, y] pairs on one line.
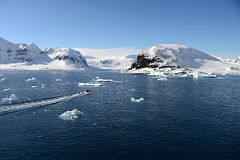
[[97, 79], [34, 86], [58, 80], [162, 79], [71, 115], [7, 89], [12, 98], [197, 75], [31, 79], [91, 84], [137, 100], [2, 80]]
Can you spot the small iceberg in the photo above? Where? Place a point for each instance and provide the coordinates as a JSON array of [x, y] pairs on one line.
[[91, 84], [43, 85], [58, 80], [162, 79], [2, 80], [137, 100], [31, 79], [34, 86], [97, 79], [71, 115], [7, 89], [197, 75], [12, 98]]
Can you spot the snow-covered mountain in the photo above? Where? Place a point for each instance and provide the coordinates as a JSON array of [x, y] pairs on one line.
[[31, 57], [171, 55], [113, 58], [175, 56], [67, 56], [28, 53]]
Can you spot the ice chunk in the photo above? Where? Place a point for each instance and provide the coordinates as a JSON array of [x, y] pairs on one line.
[[43, 85], [2, 80], [137, 100], [71, 115], [11, 99], [5, 100], [58, 80], [195, 74], [34, 86], [162, 79], [91, 84], [31, 79], [97, 79], [7, 89]]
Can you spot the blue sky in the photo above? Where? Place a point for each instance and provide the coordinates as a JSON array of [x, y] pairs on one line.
[[208, 25]]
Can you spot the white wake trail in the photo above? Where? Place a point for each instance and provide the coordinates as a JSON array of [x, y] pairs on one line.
[[39, 103]]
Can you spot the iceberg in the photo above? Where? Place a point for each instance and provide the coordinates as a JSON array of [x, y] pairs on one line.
[[2, 80], [197, 75], [58, 80], [34, 86], [97, 79], [43, 85], [5, 100], [91, 84], [12, 98], [31, 79], [7, 89], [162, 79], [71, 115], [137, 100]]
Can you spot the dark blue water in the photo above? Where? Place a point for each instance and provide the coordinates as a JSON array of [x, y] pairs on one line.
[[180, 118]]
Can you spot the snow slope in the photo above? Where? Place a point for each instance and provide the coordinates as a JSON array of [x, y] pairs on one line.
[[114, 58], [177, 56], [67, 56], [31, 57], [29, 53]]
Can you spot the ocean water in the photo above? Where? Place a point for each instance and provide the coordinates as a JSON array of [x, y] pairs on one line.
[[179, 119]]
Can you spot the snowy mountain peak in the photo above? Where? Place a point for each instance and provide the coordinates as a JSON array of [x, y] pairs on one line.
[[68, 55], [31, 54], [171, 55]]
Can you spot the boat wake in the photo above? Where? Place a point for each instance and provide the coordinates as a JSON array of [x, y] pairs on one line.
[[6, 109]]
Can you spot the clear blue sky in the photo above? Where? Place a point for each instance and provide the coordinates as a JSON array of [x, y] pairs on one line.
[[208, 25]]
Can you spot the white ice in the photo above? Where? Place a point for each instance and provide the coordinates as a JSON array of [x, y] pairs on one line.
[[137, 100], [7, 89], [31, 79], [12, 98], [162, 79], [71, 115], [91, 84], [97, 79], [2, 80]]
